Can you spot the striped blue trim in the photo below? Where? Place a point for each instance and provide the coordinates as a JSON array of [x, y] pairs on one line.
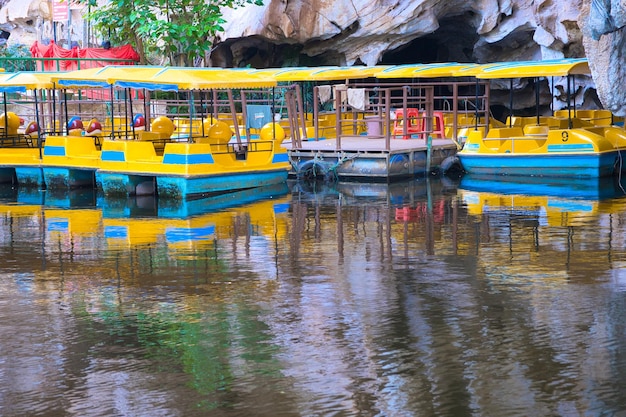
[[58, 225], [281, 208], [12, 89], [115, 232], [117, 156], [83, 83], [54, 150], [177, 234], [148, 86], [280, 157], [188, 159], [582, 147]]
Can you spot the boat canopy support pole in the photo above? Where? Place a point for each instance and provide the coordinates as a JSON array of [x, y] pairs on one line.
[[6, 116], [244, 114], [511, 102], [316, 112], [130, 104], [233, 112], [37, 121], [537, 100], [67, 128], [112, 111], [569, 104], [388, 119]]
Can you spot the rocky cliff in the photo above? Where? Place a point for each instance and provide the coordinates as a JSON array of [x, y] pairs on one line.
[[347, 32]]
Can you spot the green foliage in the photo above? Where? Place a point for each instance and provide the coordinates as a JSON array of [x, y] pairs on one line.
[[179, 29], [9, 52]]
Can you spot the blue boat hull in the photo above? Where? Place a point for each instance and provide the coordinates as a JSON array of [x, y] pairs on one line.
[[185, 187], [30, 176], [68, 178], [552, 165]]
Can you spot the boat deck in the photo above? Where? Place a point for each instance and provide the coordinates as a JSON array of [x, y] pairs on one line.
[[365, 144], [363, 158]]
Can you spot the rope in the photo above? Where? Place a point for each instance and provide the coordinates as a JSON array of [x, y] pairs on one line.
[[340, 161]]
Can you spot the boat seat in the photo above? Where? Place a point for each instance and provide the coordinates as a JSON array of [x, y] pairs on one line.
[[504, 132], [536, 130]]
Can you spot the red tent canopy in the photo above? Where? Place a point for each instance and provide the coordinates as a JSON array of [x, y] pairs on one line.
[[74, 55]]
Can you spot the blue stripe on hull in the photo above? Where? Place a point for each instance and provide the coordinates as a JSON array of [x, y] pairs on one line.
[[184, 187], [180, 187], [555, 165], [117, 156], [51, 150], [187, 159], [279, 158]]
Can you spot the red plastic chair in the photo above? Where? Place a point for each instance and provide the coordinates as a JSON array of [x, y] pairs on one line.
[[414, 123]]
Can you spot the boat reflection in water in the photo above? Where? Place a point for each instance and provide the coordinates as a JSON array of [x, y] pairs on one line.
[[534, 228], [425, 297], [195, 225], [564, 198], [78, 220]]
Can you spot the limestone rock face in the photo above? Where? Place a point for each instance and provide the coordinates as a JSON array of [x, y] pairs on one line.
[[27, 21], [346, 32], [341, 32], [364, 31], [22, 18], [603, 23]]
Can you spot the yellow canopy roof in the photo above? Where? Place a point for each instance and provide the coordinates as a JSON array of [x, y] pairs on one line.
[[435, 70], [179, 78], [523, 69], [100, 76], [25, 80], [323, 73]]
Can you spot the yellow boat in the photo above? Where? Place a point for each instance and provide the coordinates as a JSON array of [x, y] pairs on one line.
[[199, 163], [544, 146]]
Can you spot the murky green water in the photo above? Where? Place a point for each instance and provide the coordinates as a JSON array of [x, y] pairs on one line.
[[423, 298]]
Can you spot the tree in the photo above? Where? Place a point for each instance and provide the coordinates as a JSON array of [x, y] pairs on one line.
[[180, 30]]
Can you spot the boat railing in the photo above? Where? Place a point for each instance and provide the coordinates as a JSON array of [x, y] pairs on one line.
[[373, 110], [17, 141]]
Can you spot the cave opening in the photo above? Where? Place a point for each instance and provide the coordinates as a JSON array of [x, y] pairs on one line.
[[452, 42]]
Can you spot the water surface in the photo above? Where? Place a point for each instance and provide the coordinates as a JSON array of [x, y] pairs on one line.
[[422, 298]]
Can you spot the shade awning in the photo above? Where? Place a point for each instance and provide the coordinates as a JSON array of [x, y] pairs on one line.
[[528, 69], [179, 78], [25, 80], [99, 77], [322, 73], [435, 70]]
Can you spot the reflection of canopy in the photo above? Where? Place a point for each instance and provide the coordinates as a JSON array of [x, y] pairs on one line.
[[52, 50]]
